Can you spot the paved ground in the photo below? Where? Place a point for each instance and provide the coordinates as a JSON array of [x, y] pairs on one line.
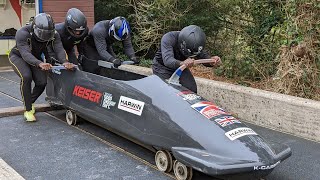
[[7, 102], [304, 162], [50, 149]]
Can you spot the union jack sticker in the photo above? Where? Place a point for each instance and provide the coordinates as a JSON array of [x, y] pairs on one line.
[[226, 120], [208, 109]]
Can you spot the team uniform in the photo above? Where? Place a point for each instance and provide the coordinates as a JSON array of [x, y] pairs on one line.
[[168, 59]]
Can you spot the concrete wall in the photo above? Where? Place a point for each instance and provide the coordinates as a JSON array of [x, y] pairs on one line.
[[293, 115], [26, 14], [58, 9], [6, 45], [4, 61]]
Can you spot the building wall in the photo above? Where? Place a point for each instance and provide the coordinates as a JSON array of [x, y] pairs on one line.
[[12, 15], [26, 14], [58, 9], [7, 13]]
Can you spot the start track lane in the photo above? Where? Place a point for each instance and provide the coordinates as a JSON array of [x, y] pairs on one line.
[[49, 149]]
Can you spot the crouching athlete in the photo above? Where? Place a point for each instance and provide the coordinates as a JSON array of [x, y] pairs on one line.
[[26, 58], [72, 32], [182, 48], [99, 44]]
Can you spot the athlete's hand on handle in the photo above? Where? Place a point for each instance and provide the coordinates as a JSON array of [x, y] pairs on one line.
[[217, 61], [116, 63], [69, 66], [188, 62], [135, 60], [45, 66]]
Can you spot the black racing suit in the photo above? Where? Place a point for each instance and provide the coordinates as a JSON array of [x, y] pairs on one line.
[[169, 57], [98, 46], [25, 58], [69, 41]]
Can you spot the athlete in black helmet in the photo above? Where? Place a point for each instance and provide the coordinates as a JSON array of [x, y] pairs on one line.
[[27, 61], [178, 48], [72, 32], [98, 45]]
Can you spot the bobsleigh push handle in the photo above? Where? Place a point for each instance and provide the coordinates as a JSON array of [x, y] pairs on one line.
[[174, 79], [110, 65], [60, 67]]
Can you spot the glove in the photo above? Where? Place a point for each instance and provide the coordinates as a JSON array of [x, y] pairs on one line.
[[116, 63], [135, 60]]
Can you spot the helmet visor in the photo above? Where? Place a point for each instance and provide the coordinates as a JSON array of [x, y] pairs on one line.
[[193, 54], [44, 35], [76, 32], [189, 52]]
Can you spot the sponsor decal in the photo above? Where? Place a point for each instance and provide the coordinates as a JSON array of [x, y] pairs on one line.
[[107, 101], [266, 167], [226, 120], [77, 42], [88, 94], [188, 95], [239, 132], [208, 109], [131, 105]]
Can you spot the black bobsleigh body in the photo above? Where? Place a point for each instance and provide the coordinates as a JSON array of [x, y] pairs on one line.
[[169, 117]]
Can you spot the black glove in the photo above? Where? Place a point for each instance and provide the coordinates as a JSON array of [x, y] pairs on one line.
[[116, 63], [135, 60]]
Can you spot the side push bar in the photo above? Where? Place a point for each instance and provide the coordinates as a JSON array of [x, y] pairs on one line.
[[56, 69], [174, 79], [110, 65], [60, 67]]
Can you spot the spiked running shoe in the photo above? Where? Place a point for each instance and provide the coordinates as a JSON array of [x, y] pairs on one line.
[[29, 117]]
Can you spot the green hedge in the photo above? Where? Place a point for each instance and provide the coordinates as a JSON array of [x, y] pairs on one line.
[[246, 34]]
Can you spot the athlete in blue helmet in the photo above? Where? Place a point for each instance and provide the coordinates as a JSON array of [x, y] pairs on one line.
[[98, 45], [119, 28]]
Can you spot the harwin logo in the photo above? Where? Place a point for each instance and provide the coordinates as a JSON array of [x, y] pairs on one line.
[[239, 132], [131, 105], [88, 94]]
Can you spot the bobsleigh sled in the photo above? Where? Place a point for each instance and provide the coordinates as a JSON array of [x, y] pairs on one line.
[[186, 131]]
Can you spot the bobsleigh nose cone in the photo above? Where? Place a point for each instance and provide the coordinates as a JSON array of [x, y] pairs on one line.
[[223, 163]]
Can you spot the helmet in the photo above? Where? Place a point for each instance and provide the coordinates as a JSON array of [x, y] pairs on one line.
[[76, 22], [119, 28], [43, 27], [191, 40]]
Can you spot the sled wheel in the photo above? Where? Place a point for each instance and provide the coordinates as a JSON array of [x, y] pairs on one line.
[[71, 118], [181, 171], [163, 161]]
